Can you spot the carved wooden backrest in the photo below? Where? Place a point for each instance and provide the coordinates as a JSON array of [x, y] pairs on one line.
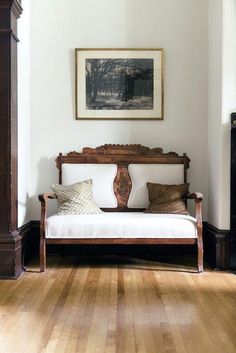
[[122, 155]]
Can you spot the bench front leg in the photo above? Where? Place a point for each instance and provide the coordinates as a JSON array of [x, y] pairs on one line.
[[198, 197], [43, 198]]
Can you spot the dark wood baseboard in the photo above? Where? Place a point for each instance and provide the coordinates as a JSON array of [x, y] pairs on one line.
[[17, 249], [10, 255], [30, 241], [232, 246], [216, 246]]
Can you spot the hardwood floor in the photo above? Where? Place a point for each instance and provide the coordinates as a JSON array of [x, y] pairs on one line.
[[118, 305]]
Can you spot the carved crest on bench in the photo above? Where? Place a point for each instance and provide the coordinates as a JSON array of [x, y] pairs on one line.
[[123, 150]]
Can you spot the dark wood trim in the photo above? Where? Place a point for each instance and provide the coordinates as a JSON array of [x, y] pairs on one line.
[[9, 32], [10, 255], [233, 194], [25, 229], [30, 241], [10, 238], [216, 246], [25, 233], [12, 5]]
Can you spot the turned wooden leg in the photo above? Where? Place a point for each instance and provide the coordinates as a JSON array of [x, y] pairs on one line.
[[200, 255], [42, 254]]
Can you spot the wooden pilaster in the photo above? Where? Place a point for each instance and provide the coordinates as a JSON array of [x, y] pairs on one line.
[[10, 240]]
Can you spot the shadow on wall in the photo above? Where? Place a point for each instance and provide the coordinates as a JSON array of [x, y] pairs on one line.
[[47, 174], [23, 211]]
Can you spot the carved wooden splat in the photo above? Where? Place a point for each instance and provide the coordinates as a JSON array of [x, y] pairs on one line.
[[122, 185]]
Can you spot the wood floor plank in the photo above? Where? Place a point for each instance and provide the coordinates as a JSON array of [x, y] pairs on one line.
[[160, 327], [112, 314], [118, 305], [68, 339]]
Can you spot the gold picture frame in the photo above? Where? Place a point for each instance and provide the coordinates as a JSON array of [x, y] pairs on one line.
[[119, 84]]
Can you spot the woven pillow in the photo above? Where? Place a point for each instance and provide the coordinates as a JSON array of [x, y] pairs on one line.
[[76, 198], [167, 198]]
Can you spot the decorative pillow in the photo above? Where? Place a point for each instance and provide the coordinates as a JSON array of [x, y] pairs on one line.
[[167, 198], [76, 198]]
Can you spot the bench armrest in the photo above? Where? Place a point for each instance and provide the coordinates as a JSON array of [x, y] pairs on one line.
[[47, 195], [43, 198], [197, 197]]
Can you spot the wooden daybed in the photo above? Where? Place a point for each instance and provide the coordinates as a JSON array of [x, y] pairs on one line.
[[119, 174]]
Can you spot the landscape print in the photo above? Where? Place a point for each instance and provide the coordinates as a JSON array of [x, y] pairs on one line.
[[119, 84]]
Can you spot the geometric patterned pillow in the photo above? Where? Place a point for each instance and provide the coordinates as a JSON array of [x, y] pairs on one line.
[[167, 198], [76, 198]]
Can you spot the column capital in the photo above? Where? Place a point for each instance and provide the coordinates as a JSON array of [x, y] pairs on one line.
[[13, 5]]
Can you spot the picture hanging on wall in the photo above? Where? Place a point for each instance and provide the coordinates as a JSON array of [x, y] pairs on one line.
[[119, 84]]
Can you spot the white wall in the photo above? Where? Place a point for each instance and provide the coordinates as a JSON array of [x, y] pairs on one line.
[[24, 116], [214, 108], [222, 101], [59, 26]]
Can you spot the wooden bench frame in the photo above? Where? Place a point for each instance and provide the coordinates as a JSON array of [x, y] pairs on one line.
[[122, 155]]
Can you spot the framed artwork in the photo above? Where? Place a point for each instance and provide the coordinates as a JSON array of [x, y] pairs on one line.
[[119, 84]]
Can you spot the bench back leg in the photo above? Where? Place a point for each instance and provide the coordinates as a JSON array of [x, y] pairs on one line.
[[42, 254]]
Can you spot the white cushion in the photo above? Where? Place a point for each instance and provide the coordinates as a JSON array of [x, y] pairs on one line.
[[155, 173], [121, 225], [103, 176]]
